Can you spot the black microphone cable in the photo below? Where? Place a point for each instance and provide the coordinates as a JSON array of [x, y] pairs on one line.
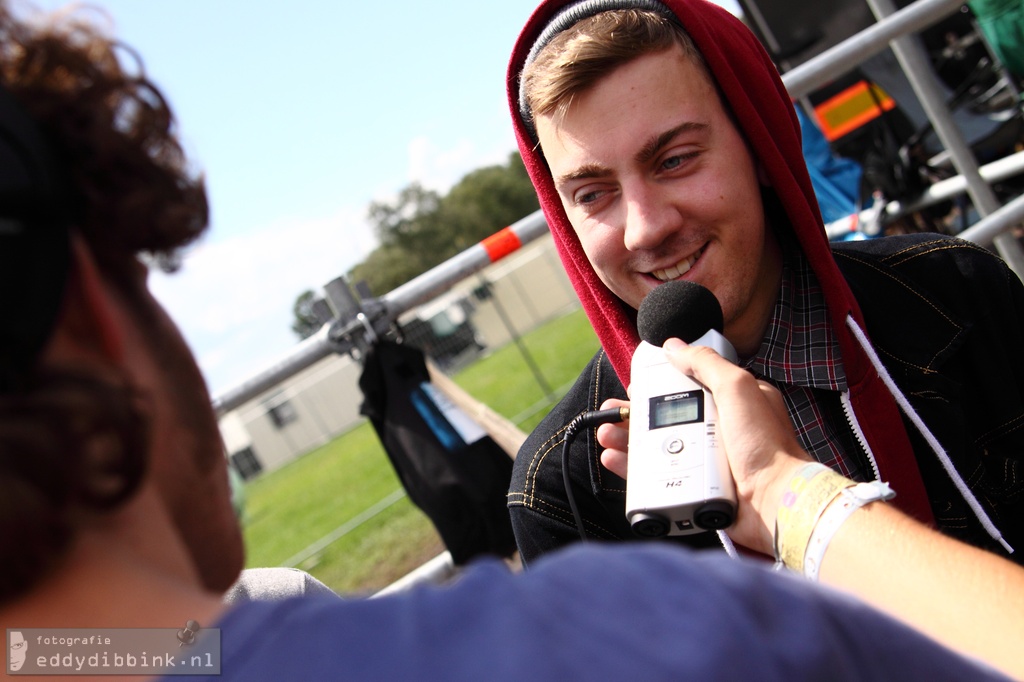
[[595, 418]]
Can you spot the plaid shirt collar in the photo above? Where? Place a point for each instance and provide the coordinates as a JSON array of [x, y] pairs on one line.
[[800, 347]]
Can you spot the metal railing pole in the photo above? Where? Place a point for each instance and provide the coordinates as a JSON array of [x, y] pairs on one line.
[[305, 354], [914, 60], [838, 59], [439, 279], [995, 225], [1000, 169], [402, 299]]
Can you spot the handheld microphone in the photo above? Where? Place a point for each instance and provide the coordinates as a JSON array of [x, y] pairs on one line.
[[679, 480]]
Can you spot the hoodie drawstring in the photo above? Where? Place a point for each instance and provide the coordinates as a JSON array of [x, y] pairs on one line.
[[932, 441]]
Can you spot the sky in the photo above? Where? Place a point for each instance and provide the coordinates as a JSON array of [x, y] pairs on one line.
[[300, 115]]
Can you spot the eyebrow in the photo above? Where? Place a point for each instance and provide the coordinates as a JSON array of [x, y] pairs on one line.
[[646, 153], [656, 144], [584, 172]]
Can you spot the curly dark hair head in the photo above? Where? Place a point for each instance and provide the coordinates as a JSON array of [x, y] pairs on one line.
[[74, 444], [111, 129]]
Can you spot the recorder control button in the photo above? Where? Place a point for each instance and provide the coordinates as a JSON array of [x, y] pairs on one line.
[[674, 446]]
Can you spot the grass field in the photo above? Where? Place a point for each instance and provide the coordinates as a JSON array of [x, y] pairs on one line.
[[289, 510]]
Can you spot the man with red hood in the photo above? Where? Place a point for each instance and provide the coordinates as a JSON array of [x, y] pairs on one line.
[[663, 146]]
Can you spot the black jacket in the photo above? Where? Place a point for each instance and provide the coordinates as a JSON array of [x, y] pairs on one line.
[[946, 318]]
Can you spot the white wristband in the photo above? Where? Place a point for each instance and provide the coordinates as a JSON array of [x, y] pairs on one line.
[[848, 501]]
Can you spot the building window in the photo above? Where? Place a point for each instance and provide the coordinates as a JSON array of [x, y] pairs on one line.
[[281, 411], [246, 464]]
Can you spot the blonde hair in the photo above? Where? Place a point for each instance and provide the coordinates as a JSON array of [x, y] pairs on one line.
[[580, 56]]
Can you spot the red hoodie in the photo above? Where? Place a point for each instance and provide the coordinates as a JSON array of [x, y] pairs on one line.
[[750, 85]]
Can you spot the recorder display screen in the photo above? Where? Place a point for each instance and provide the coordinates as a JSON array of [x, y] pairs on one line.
[[680, 408]]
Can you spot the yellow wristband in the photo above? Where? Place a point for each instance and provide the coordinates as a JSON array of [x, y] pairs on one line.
[[810, 491]]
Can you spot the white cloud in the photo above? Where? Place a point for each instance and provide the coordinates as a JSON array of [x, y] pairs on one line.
[[233, 298], [439, 168]]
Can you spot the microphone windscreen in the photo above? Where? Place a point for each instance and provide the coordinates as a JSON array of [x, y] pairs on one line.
[[678, 308]]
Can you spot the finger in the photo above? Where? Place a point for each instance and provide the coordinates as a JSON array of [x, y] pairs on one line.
[[705, 365], [614, 436], [615, 461], [613, 403]]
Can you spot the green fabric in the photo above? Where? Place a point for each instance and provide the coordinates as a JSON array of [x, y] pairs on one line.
[[1002, 22]]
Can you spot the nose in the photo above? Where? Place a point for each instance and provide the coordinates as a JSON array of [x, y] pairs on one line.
[[650, 219]]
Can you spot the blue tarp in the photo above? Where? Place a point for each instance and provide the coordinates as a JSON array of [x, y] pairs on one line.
[[836, 180]]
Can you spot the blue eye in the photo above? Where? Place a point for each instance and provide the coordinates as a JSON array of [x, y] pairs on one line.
[[675, 161]]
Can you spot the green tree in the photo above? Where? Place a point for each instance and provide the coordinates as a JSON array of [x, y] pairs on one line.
[[402, 221], [421, 229], [305, 322], [488, 199], [408, 232]]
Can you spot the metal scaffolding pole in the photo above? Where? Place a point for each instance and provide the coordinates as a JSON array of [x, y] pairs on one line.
[[838, 59], [986, 231], [305, 354], [1000, 169], [915, 63]]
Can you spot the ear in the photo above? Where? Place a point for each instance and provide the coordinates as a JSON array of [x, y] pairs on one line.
[[87, 329]]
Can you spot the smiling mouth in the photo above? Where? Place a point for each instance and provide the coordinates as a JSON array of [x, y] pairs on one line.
[[679, 269]]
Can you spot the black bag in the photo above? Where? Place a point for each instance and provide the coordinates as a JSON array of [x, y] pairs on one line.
[[451, 469]]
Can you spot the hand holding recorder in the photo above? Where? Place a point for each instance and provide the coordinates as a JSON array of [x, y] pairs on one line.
[[879, 554], [667, 383]]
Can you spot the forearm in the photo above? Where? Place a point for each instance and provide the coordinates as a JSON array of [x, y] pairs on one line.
[[968, 599]]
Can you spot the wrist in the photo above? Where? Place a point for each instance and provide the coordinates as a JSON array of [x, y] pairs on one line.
[[848, 501], [809, 491], [768, 495]]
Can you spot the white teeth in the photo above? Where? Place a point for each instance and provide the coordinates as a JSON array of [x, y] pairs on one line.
[[680, 268], [673, 272]]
